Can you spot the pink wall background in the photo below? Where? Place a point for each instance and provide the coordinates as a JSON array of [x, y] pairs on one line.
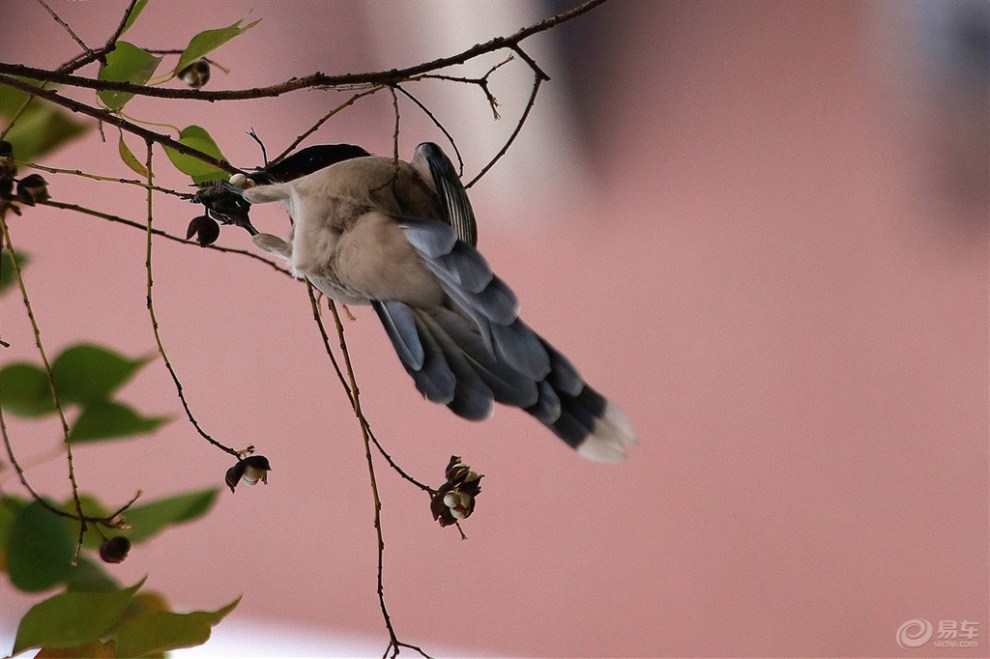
[[777, 266]]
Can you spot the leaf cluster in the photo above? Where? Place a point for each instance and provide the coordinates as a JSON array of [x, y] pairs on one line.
[[107, 620], [84, 375], [93, 616]]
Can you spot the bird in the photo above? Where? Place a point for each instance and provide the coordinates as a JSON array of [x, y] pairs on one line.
[[402, 237]]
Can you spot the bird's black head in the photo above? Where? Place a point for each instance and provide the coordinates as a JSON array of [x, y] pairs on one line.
[[307, 161], [225, 202]]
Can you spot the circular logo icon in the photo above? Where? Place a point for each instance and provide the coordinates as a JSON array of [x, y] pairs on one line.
[[914, 633]]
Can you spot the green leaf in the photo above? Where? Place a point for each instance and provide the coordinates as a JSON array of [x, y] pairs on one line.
[[197, 138], [88, 373], [127, 63], [39, 549], [148, 519], [40, 127], [24, 390], [147, 602], [109, 420], [71, 619], [135, 12], [130, 159], [163, 631], [89, 577], [204, 42], [91, 507], [9, 507], [7, 278], [91, 650]]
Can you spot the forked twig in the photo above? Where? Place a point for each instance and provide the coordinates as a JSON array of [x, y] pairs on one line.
[[318, 318], [394, 643], [154, 321], [5, 230]]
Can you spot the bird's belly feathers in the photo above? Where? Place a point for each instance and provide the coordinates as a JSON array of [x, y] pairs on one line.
[[355, 254]]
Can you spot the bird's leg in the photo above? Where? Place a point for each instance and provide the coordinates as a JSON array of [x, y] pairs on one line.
[[272, 245]]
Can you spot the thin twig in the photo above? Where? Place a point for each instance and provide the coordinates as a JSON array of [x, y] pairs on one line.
[[395, 135], [312, 129], [158, 232], [264, 150], [482, 82], [97, 177], [438, 124], [68, 28], [93, 55], [154, 322], [394, 642], [20, 471], [318, 317], [4, 229], [537, 81], [109, 521]]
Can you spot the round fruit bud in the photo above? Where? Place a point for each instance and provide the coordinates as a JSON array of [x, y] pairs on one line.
[[233, 476], [196, 74], [114, 550], [205, 229], [32, 189], [256, 468]]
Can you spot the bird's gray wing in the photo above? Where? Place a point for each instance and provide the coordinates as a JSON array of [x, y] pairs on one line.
[[468, 281], [460, 215], [420, 353], [474, 350]]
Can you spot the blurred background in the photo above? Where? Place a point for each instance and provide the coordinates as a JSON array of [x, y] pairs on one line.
[[759, 227]]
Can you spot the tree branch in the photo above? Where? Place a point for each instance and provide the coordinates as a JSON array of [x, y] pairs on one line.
[[110, 118], [100, 54], [383, 78]]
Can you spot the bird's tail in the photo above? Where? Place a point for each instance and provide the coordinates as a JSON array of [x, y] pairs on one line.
[[476, 350]]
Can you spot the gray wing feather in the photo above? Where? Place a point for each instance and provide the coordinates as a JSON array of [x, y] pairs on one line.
[[466, 267], [508, 385], [421, 355], [454, 263], [547, 407], [473, 398], [435, 380], [431, 239], [460, 215], [400, 325], [563, 376], [521, 348]]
